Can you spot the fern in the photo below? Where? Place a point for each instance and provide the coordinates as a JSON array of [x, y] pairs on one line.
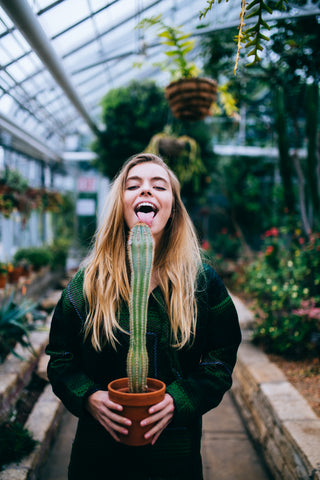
[[251, 37], [179, 45]]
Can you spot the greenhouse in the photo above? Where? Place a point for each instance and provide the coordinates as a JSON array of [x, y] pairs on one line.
[[227, 94]]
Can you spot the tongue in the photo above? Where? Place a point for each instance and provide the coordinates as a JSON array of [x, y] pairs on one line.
[[146, 217]]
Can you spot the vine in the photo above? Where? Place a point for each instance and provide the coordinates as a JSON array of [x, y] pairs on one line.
[[251, 37]]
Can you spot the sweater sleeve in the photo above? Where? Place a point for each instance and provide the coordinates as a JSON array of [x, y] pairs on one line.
[[69, 382], [203, 388]]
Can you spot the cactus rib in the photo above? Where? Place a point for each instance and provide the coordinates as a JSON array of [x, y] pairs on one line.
[[140, 251]]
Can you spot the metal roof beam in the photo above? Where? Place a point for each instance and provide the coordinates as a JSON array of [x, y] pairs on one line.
[[24, 18], [28, 143]]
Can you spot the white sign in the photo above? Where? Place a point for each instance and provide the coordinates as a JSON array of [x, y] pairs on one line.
[[86, 207]]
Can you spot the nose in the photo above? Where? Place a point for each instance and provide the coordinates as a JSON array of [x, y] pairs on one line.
[[145, 191]]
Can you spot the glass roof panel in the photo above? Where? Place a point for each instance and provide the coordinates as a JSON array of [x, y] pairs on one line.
[[63, 16], [97, 44]]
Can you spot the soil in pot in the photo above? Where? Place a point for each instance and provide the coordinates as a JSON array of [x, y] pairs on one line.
[[136, 406]]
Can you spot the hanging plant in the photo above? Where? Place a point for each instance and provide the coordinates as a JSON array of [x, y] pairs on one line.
[[251, 37], [190, 97], [181, 153]]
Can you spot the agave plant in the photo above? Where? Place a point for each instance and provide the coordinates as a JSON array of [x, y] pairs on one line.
[[14, 326], [141, 251]]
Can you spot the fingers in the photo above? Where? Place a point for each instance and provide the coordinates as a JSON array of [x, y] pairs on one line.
[[105, 412], [161, 415]]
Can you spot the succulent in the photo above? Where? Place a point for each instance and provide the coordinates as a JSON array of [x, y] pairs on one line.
[[140, 250]]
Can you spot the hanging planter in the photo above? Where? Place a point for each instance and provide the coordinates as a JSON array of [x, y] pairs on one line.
[[191, 98]]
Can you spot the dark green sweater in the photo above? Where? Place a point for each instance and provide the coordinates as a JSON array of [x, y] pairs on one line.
[[196, 377]]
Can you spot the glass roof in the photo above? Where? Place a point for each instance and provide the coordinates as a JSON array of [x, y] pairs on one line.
[[96, 44]]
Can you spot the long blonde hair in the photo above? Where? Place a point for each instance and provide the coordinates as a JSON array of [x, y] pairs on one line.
[[177, 261]]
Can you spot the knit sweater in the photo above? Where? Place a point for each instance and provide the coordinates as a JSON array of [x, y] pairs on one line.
[[196, 376]]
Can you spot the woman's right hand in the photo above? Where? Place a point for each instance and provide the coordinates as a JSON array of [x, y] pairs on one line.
[[104, 410]]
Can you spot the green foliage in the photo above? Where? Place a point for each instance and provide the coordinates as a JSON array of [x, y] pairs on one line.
[[178, 46], [131, 116], [64, 220], [13, 179], [225, 244], [141, 250], [14, 325], [15, 443], [252, 37], [284, 281], [59, 250], [37, 256], [247, 201], [182, 154]]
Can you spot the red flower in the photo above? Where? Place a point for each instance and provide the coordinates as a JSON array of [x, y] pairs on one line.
[[224, 231], [273, 232], [269, 250], [205, 245]]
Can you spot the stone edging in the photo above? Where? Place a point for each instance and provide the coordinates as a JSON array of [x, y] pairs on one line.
[[278, 418], [42, 424], [15, 373]]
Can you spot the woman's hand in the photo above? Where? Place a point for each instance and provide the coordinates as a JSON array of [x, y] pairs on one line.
[[104, 410], [160, 416]]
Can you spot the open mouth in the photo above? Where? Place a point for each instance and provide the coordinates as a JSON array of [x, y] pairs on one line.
[[146, 212]]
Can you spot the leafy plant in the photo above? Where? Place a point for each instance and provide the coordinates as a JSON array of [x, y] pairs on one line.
[[140, 249], [14, 325], [3, 268], [130, 115], [37, 256], [14, 180], [15, 443], [251, 37], [59, 251], [178, 46], [282, 279]]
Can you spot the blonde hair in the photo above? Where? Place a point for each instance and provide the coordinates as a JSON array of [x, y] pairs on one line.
[[177, 261]]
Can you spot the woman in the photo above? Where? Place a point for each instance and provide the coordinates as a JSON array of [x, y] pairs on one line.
[[192, 335]]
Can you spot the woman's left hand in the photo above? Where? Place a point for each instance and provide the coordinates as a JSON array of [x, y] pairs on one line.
[[160, 416]]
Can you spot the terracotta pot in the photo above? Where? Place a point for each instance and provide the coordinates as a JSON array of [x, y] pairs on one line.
[[3, 280], [15, 274], [136, 406], [191, 98]]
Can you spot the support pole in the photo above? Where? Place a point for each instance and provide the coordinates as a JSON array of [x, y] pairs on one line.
[[28, 24]]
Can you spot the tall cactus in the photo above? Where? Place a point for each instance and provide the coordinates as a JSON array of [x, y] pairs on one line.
[[141, 250]]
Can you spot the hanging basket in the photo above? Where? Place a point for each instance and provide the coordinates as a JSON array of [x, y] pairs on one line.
[[191, 98]]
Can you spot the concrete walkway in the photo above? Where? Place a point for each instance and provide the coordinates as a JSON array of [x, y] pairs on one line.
[[227, 452]]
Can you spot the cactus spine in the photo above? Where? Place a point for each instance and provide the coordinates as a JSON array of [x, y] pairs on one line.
[[140, 250]]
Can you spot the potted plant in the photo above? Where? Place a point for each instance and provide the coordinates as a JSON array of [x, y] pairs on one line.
[[3, 274], [190, 97], [137, 392]]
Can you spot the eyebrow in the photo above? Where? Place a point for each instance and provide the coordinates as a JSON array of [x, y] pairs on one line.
[[154, 179]]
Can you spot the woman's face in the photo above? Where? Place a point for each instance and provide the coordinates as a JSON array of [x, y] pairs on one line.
[[148, 197]]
